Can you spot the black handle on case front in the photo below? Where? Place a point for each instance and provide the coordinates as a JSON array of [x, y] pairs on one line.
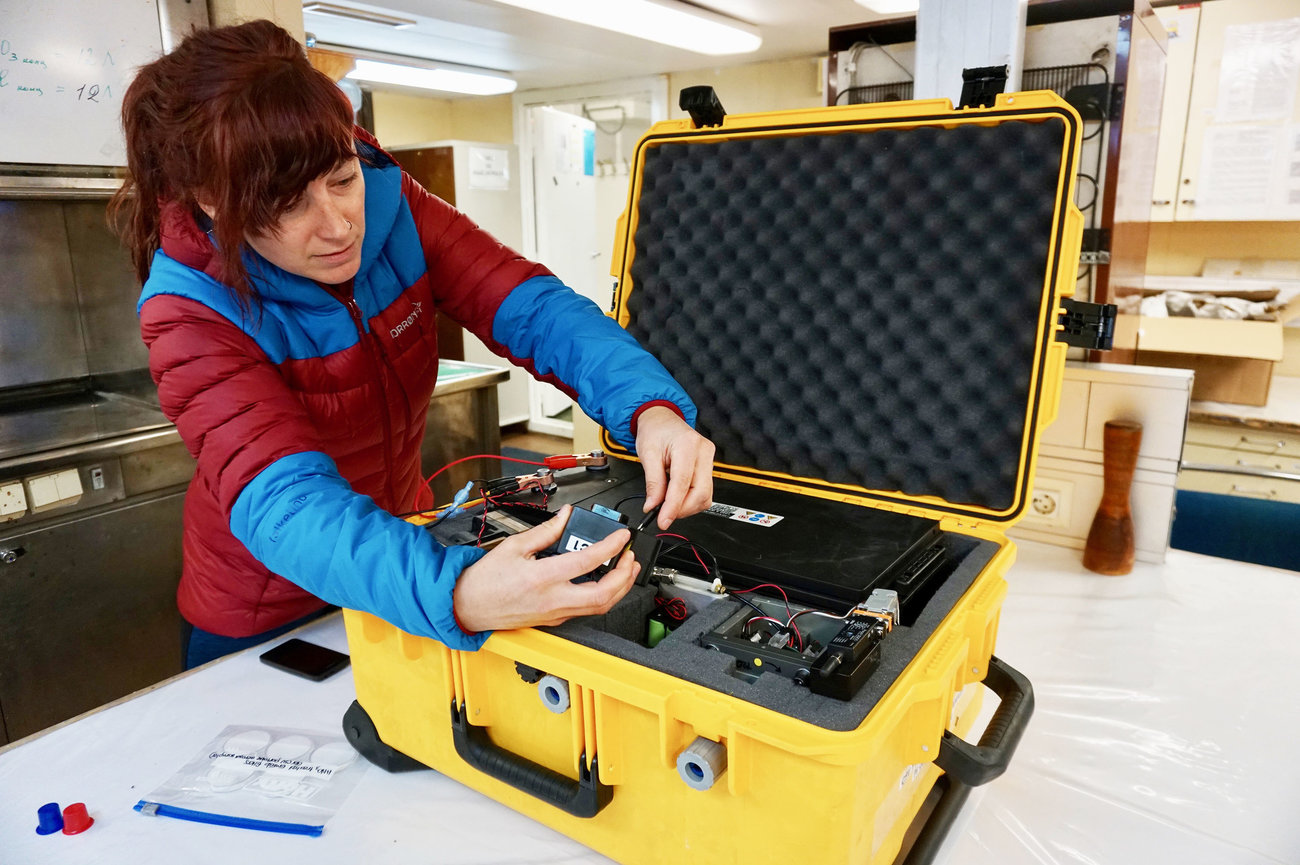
[[584, 797], [978, 764]]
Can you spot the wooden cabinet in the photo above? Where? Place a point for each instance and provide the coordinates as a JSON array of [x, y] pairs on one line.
[[1242, 462], [1230, 128]]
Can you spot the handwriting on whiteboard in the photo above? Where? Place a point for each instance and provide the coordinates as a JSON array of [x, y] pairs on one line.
[[88, 76]]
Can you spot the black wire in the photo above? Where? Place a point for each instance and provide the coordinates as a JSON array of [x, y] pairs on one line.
[[717, 570], [848, 90], [626, 499], [1095, 190], [745, 600]]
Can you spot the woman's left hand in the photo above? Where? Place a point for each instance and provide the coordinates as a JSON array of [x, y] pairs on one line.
[[678, 465]]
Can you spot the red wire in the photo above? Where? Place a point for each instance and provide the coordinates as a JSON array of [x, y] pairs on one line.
[[694, 551], [430, 478], [777, 621], [763, 619], [788, 611]]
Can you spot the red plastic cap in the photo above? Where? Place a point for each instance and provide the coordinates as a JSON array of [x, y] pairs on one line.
[[76, 819]]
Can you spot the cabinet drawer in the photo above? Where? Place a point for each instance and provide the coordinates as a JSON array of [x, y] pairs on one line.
[[1246, 486], [1245, 440], [1240, 459]]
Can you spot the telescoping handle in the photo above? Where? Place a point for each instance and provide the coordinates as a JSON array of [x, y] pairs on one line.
[[973, 765], [584, 797]]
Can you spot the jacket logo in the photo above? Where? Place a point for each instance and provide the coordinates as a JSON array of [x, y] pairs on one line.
[[408, 321]]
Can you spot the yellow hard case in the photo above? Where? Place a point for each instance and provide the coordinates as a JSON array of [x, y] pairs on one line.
[[791, 791]]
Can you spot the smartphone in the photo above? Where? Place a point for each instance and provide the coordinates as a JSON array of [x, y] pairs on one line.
[[305, 659]]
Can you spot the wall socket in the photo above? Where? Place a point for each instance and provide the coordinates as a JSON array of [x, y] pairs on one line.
[[13, 500], [1050, 502]]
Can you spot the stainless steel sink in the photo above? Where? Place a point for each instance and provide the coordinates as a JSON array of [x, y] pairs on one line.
[[59, 415]]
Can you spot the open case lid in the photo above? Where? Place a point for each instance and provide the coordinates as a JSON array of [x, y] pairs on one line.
[[862, 301]]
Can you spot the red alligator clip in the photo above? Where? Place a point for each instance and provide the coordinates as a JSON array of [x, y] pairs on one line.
[[595, 459]]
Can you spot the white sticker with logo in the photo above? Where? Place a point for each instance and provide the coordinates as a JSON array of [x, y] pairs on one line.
[[744, 515], [575, 543], [895, 804]]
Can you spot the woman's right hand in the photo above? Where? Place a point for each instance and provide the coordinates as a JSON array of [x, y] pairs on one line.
[[511, 587]]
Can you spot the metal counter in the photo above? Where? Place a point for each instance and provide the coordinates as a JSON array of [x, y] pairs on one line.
[[87, 589]]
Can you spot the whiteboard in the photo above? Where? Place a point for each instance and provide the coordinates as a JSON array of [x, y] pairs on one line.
[[64, 67]]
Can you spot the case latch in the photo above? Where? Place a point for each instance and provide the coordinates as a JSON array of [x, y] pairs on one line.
[[1087, 325], [701, 102], [980, 86]]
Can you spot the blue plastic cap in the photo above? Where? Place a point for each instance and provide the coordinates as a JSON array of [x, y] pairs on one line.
[[49, 819]]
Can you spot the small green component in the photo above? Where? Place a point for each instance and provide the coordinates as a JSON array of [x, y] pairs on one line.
[[657, 631]]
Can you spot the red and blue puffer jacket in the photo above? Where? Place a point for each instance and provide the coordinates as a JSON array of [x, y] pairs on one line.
[[306, 413]]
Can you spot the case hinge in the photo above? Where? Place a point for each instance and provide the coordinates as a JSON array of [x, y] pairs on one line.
[[981, 86], [1086, 325], [701, 102]]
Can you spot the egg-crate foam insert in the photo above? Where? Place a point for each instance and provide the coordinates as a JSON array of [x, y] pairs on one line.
[[621, 631], [858, 307]]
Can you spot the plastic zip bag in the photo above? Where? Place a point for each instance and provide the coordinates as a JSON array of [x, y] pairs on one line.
[[266, 778]]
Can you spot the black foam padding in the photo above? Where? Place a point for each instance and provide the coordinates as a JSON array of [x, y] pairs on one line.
[[857, 307], [679, 654], [621, 632], [627, 620]]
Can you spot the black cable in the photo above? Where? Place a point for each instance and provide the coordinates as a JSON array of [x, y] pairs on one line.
[[626, 499], [891, 97], [1095, 190], [717, 570], [745, 600]]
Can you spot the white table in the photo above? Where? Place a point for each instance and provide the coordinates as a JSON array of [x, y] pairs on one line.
[[1165, 732]]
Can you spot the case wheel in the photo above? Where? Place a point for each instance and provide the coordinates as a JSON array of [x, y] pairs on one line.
[[362, 735], [584, 797], [974, 765]]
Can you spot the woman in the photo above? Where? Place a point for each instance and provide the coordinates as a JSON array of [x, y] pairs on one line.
[[291, 272]]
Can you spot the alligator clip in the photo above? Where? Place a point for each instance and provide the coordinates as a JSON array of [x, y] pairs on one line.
[[542, 480], [593, 460]]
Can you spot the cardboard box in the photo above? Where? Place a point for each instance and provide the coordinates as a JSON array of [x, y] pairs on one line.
[[1233, 360]]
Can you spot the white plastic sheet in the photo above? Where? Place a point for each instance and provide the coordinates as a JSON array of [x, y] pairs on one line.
[[1166, 720]]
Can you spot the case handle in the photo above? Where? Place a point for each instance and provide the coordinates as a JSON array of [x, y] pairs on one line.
[[978, 764], [584, 797]]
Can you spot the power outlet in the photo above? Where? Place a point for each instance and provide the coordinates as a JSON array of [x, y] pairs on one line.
[[1050, 503], [13, 501]]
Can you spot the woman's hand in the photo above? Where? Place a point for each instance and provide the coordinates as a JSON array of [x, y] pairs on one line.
[[678, 465], [511, 588]]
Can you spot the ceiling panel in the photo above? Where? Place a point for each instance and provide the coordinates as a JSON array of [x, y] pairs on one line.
[[541, 51]]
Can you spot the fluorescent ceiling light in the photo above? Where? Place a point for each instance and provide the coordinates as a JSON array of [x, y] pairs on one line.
[[664, 21], [351, 14], [891, 7], [428, 78]]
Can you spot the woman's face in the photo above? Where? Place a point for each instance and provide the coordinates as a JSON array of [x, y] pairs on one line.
[[319, 236]]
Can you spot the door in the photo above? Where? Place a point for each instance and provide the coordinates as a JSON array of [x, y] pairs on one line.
[[88, 610], [564, 195], [1180, 24]]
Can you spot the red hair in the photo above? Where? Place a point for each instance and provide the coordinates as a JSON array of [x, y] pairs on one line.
[[235, 117]]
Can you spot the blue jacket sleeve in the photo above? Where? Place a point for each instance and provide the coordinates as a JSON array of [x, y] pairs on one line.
[[300, 518], [565, 334]]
